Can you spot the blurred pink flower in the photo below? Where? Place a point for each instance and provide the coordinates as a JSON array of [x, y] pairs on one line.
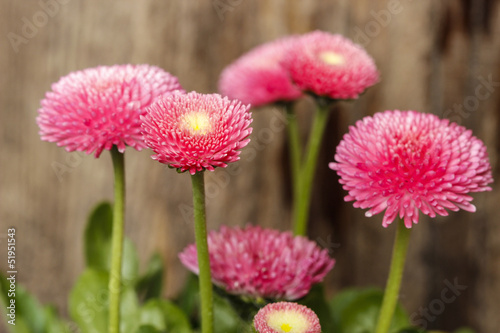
[[258, 76], [96, 108], [285, 317], [262, 263], [406, 161], [330, 66], [194, 132]]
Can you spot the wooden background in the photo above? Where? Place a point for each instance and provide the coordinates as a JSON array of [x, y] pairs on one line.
[[432, 55]]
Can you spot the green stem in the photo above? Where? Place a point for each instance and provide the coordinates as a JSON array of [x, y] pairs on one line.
[[395, 276], [117, 241], [205, 279], [294, 147], [306, 176]]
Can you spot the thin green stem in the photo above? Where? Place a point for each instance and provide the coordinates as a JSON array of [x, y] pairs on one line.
[[205, 279], [394, 280], [117, 241], [295, 147], [306, 176]]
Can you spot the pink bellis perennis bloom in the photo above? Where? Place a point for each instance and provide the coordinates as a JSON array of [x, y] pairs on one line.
[[193, 132], [258, 77], [285, 317], [404, 162], [331, 66], [262, 263], [96, 108]]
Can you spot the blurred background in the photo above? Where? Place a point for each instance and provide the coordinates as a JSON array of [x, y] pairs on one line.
[[434, 56]]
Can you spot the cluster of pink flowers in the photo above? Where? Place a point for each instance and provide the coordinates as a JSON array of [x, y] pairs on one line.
[[400, 162], [262, 263], [320, 63], [139, 106], [406, 162]]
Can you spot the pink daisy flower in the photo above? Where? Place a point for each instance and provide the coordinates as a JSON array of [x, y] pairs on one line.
[[331, 66], [284, 317], [262, 263], [97, 108], [194, 132], [258, 77], [404, 162]]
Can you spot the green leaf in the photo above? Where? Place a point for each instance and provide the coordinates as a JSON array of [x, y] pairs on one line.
[[22, 326], [412, 330], [163, 315], [151, 314], [88, 301], [176, 320], [54, 324], [245, 307], [226, 318], [97, 240], [188, 300], [29, 310], [97, 237], [29, 314], [150, 285], [341, 301], [148, 329], [315, 300], [357, 312], [464, 330], [130, 264], [129, 310]]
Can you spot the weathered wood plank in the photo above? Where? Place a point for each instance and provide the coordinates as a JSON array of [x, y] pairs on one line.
[[432, 56]]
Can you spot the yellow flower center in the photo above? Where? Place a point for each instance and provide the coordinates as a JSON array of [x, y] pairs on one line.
[[332, 58], [288, 322], [196, 123]]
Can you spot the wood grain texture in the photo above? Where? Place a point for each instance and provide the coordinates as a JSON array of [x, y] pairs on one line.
[[432, 55]]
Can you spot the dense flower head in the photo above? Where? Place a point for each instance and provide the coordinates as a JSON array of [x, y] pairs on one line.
[[262, 263], [98, 108], [330, 66], [286, 317], [258, 77], [404, 162], [193, 132]]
